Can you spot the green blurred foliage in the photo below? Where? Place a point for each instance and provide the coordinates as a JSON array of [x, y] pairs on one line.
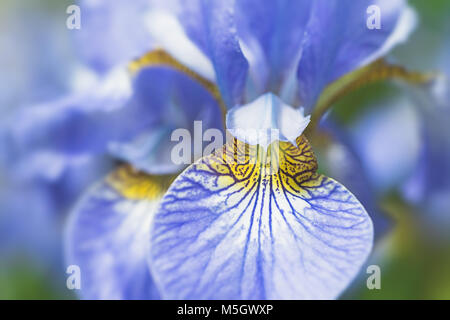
[[21, 278]]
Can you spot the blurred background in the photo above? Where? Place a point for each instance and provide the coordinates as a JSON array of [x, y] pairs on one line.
[[387, 142]]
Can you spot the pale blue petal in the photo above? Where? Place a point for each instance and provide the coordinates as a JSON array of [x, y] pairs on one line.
[[35, 61], [174, 101], [29, 232], [35, 194], [338, 40], [388, 142], [107, 237], [112, 32], [273, 33], [131, 121], [223, 233], [77, 124], [169, 34], [340, 161], [429, 186], [211, 25], [265, 120]]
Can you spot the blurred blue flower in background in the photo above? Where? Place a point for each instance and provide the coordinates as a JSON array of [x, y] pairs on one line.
[[35, 67], [429, 188], [410, 126], [417, 161]]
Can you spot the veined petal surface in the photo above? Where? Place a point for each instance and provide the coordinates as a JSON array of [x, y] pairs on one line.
[[107, 235], [236, 225]]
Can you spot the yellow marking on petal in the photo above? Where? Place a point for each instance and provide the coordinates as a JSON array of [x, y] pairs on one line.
[[159, 57], [137, 185], [286, 166]]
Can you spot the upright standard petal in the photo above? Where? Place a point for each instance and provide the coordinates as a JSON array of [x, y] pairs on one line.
[[338, 40], [107, 235], [230, 227], [211, 25], [112, 32], [273, 33]]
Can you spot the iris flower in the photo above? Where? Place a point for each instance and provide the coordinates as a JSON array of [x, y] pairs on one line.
[[222, 228]]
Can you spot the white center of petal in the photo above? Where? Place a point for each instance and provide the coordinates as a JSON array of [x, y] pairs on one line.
[[265, 120]]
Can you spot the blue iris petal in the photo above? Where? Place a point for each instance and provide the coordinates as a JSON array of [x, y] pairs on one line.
[[173, 101], [338, 40], [429, 185], [343, 164], [230, 231], [112, 32], [134, 124], [273, 32], [77, 124], [389, 154], [107, 237], [211, 25], [24, 231]]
